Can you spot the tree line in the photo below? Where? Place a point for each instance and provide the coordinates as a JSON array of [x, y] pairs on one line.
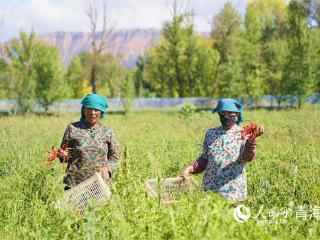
[[272, 49]]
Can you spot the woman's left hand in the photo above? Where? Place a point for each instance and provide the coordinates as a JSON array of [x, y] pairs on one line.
[[105, 173], [259, 131]]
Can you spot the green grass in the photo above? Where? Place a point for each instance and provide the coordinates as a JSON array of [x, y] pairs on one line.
[[285, 174]]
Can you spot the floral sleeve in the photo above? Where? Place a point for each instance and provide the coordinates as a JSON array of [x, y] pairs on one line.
[[65, 141], [200, 164], [248, 151], [113, 153]]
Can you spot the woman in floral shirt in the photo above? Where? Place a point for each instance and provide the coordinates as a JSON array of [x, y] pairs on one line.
[[225, 154], [90, 146]]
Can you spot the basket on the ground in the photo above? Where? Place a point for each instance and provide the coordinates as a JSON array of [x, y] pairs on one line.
[[167, 190], [92, 189]]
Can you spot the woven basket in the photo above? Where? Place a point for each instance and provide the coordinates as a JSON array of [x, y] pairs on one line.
[[169, 189], [92, 189]]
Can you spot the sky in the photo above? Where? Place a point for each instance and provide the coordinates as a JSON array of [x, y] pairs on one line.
[[46, 16]]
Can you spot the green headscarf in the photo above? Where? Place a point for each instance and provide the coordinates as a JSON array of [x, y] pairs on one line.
[[231, 105], [94, 101]]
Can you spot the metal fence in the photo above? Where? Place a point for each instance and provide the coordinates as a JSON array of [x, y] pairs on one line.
[[73, 105]]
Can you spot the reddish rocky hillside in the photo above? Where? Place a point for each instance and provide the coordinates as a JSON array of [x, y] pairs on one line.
[[129, 43]]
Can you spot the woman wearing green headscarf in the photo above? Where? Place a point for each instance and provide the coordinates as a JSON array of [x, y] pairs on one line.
[[91, 147], [225, 154]]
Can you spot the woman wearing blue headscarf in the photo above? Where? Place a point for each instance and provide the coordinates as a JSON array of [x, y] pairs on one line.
[[225, 154], [91, 146]]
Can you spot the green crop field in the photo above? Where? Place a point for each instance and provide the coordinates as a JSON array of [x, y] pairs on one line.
[[283, 180]]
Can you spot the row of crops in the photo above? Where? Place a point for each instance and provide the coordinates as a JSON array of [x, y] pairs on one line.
[[283, 180]]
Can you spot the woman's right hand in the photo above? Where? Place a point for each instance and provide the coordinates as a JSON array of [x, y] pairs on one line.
[[61, 153], [64, 154], [187, 171]]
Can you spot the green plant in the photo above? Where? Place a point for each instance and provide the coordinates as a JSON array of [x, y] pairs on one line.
[[188, 110]]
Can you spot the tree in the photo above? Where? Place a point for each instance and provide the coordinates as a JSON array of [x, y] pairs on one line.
[[200, 67], [272, 17], [128, 91], [21, 55], [166, 72], [182, 64], [110, 74], [98, 41], [250, 51], [315, 58], [224, 33], [163, 63], [298, 75], [77, 79], [225, 30], [274, 57], [274, 47], [173, 33], [35, 72], [49, 76], [231, 78], [138, 76], [3, 79]]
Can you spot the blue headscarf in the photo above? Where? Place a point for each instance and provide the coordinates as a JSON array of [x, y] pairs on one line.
[[231, 105], [95, 101]]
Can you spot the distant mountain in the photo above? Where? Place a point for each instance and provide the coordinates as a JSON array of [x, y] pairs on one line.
[[129, 43]]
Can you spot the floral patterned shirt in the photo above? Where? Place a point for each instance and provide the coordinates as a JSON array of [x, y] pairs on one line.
[[224, 159], [90, 148]]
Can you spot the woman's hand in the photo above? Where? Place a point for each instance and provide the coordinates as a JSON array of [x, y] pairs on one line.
[[105, 173], [260, 131], [187, 171], [63, 153]]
